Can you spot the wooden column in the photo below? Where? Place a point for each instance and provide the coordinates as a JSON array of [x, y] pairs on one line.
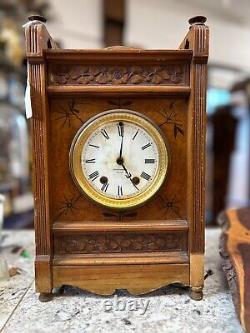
[[197, 39], [37, 40]]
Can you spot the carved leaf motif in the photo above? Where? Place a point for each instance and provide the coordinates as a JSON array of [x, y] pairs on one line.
[[101, 78], [117, 243], [156, 79], [165, 74], [60, 78], [135, 79], [176, 76], [85, 79], [117, 75], [120, 80], [126, 243]]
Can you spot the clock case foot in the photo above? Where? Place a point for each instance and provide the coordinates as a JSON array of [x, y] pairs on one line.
[[45, 297], [48, 296], [196, 294]]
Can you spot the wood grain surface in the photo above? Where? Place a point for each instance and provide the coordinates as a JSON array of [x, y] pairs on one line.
[[68, 87], [235, 254]]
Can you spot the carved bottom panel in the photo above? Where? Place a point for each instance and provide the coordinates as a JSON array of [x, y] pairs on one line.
[[119, 243]]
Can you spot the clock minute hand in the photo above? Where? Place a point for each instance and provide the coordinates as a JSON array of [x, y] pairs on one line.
[[121, 147], [121, 132]]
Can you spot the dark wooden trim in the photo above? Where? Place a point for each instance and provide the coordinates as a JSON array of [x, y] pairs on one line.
[[122, 54], [124, 90], [130, 259], [198, 153], [43, 273], [40, 161], [198, 39], [39, 127], [66, 227]]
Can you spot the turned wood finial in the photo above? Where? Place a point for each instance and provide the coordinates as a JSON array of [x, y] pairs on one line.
[[37, 18], [196, 20]]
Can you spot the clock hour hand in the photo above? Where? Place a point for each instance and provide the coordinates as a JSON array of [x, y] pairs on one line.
[[129, 176]]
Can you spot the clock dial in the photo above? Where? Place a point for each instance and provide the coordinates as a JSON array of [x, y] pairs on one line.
[[125, 162], [119, 159]]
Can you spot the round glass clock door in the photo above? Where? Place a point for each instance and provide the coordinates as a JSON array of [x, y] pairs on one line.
[[119, 159]]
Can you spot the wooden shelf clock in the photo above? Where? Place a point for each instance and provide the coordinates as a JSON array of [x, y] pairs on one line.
[[119, 163]]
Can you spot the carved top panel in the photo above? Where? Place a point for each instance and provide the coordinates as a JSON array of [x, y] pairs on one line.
[[119, 75]]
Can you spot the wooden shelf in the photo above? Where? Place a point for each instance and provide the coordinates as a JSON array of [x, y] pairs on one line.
[[121, 259], [121, 53], [98, 90], [64, 227]]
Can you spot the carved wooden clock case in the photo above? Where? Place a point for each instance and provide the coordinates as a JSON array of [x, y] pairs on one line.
[[119, 159]]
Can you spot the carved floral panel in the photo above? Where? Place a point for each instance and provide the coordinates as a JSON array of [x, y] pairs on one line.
[[119, 243], [118, 75]]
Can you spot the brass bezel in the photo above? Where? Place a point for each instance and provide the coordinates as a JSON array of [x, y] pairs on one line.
[[99, 121]]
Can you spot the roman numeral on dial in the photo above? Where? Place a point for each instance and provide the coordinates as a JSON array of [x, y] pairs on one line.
[[105, 134], [145, 175], [149, 160], [105, 187], [94, 175], [94, 146], [146, 146], [120, 127], [92, 160], [119, 191]]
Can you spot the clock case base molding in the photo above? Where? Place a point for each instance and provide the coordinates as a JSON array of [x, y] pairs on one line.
[[67, 88], [137, 279]]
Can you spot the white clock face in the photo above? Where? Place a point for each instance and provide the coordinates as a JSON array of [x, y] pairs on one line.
[[120, 159]]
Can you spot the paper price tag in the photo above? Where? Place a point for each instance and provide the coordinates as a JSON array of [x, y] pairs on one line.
[[28, 106]]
